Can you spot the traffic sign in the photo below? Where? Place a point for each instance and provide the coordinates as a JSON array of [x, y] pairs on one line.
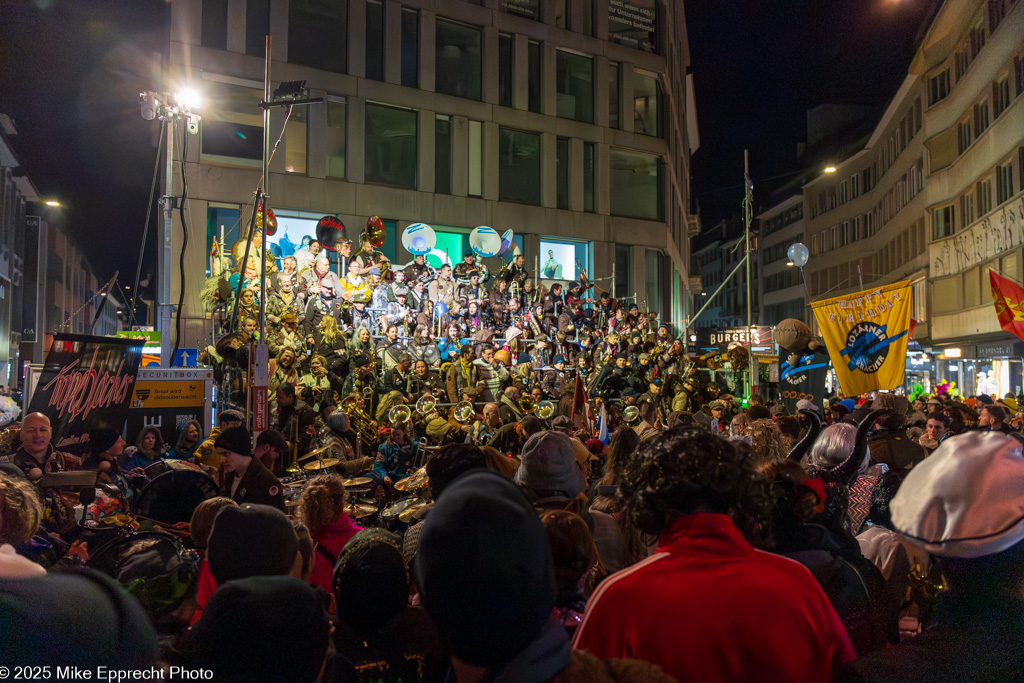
[[186, 358]]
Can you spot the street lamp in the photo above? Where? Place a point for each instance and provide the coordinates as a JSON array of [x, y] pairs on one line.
[[52, 202], [830, 169]]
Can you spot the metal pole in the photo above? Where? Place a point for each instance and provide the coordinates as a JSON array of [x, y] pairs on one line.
[[747, 214], [807, 293], [265, 193], [712, 297], [164, 260]]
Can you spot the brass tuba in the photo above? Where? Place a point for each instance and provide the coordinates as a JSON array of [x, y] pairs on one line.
[[360, 420], [527, 404], [425, 405], [545, 409], [465, 412]]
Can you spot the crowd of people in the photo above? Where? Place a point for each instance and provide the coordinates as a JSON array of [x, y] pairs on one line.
[[529, 486], [735, 544]]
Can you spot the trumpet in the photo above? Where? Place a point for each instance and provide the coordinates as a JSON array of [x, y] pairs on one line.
[[464, 412], [400, 414], [527, 404], [545, 409]]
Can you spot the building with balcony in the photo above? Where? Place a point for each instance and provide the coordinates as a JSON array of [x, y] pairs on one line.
[[972, 65], [571, 122], [934, 196], [780, 287]]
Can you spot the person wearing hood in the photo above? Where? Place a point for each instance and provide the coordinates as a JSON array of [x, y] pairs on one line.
[[190, 436], [149, 449], [486, 577]]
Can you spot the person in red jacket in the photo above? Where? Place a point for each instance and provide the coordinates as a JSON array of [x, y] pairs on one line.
[[708, 606], [322, 510]]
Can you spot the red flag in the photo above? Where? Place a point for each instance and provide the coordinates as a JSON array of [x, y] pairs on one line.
[[579, 404], [1008, 296]]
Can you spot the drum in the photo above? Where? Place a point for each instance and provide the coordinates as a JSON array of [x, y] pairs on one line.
[[396, 517], [173, 495], [151, 565]]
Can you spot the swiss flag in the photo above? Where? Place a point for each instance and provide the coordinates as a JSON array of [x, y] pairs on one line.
[[1008, 296]]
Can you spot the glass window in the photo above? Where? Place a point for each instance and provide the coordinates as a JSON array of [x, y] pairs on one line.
[[518, 166], [562, 14], [391, 146], [506, 67], [622, 270], [558, 258], [233, 124], [256, 27], [634, 23], [443, 155], [652, 280], [575, 86], [562, 172], [645, 104], [458, 60], [613, 96], [295, 142], [533, 68], [374, 40], [635, 185], [524, 8], [318, 34], [215, 24], [410, 48], [474, 164], [335, 139], [589, 176], [223, 224]]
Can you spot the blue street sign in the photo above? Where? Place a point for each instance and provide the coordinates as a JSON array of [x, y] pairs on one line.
[[186, 358]]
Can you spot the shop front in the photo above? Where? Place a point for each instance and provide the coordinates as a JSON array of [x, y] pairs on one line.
[[994, 368]]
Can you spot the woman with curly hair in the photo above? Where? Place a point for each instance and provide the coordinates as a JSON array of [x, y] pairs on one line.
[[766, 440], [707, 586], [322, 510]]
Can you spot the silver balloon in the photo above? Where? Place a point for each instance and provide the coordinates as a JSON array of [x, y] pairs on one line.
[[798, 254]]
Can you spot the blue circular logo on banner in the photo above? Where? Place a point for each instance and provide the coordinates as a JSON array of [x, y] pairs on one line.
[[867, 346]]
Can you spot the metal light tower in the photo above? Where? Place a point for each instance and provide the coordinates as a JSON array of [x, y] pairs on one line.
[[168, 109]]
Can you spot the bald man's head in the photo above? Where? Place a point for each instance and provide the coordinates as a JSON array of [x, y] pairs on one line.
[[35, 433]]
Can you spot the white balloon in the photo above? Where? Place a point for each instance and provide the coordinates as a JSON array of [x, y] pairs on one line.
[[798, 254]]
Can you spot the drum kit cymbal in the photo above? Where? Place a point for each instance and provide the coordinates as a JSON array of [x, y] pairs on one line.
[[325, 464], [358, 482], [404, 510], [416, 480], [360, 510]]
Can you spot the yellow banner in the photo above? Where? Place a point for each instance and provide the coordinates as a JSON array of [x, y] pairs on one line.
[[866, 334]]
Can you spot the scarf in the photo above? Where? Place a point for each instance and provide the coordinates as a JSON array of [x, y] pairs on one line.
[[467, 369]]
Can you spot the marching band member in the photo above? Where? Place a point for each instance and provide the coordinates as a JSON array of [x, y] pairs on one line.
[[443, 288], [284, 299], [389, 348]]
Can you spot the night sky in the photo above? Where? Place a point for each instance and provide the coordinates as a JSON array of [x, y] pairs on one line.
[[72, 71]]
